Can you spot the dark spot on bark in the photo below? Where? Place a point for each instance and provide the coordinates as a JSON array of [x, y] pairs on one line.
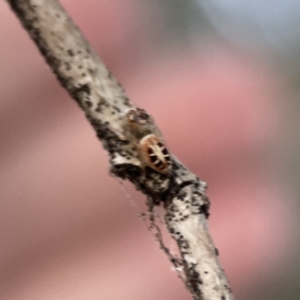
[[193, 279], [126, 101], [31, 8], [93, 72], [70, 52], [223, 297], [99, 107], [68, 66], [89, 103], [198, 193], [78, 92], [109, 75], [204, 209], [122, 154]]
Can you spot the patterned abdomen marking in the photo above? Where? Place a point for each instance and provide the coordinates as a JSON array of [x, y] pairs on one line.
[[155, 154]]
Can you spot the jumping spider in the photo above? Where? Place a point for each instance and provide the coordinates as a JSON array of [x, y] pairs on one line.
[[141, 130]]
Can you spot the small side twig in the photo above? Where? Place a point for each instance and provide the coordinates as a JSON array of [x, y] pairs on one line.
[[81, 72]]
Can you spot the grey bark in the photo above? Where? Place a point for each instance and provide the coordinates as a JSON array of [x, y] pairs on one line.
[[82, 73]]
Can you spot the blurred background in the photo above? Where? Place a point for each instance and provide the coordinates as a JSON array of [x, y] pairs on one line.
[[222, 79]]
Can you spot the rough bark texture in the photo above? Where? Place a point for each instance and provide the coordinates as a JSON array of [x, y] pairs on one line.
[[101, 97]]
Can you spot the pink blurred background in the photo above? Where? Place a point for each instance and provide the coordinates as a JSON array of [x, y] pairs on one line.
[[67, 230]]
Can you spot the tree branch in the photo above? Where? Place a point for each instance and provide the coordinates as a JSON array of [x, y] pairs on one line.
[[120, 126]]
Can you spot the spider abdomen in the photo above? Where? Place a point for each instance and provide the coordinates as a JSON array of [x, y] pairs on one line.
[[155, 154]]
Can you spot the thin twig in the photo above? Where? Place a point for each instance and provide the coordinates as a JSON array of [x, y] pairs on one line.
[[81, 72]]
